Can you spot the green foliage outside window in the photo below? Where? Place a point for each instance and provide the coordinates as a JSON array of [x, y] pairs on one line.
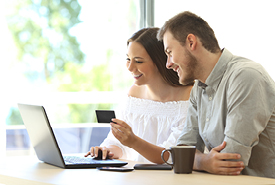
[[49, 54]]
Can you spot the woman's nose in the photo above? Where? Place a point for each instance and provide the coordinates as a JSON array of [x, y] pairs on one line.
[[130, 66]]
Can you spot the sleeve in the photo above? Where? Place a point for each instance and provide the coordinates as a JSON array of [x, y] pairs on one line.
[[175, 133], [250, 94], [172, 139], [111, 140], [190, 133]]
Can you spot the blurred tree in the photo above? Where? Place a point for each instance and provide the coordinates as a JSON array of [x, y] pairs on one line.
[[49, 54], [77, 79], [40, 29]]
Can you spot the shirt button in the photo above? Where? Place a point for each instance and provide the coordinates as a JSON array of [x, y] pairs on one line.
[[210, 98], [207, 119]]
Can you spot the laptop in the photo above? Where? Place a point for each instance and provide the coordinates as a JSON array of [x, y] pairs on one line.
[[45, 144]]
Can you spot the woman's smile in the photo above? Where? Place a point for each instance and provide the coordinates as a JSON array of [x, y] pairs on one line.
[[137, 76]]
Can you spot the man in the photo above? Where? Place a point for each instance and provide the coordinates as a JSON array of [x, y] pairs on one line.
[[232, 103]]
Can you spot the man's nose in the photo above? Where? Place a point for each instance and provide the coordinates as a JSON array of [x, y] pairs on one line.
[[169, 63]]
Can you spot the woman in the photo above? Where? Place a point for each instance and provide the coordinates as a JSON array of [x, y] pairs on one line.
[[154, 113]]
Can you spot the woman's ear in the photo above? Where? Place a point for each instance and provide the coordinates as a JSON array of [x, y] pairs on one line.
[[191, 41]]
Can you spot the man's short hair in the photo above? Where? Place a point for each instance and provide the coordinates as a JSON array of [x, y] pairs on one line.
[[186, 23]]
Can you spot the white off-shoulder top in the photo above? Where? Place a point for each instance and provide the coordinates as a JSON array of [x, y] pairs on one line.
[[156, 122]]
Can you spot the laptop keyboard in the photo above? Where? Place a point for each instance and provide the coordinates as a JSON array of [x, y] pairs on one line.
[[79, 160]]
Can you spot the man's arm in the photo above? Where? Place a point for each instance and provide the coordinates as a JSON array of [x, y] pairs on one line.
[[213, 162], [218, 163], [248, 110]]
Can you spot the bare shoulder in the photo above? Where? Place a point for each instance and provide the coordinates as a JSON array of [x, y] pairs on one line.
[[136, 91]]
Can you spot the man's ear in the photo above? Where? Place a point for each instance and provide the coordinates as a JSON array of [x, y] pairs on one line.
[[191, 41]]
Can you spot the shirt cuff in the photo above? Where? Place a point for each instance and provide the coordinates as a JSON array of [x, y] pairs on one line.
[[233, 146]]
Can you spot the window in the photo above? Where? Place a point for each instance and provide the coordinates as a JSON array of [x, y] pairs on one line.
[[68, 55], [245, 27]]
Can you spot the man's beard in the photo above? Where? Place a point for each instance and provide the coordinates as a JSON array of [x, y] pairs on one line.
[[192, 65]]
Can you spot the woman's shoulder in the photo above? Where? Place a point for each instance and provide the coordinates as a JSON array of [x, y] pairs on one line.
[[136, 91]]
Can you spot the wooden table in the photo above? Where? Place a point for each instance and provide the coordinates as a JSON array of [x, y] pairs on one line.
[[31, 171]]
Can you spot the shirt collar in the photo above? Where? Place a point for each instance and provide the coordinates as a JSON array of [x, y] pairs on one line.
[[215, 77]]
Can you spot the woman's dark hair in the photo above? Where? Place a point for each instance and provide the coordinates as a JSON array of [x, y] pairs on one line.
[[147, 37]]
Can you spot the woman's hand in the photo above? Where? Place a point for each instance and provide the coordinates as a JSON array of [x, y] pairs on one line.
[[123, 132], [100, 153]]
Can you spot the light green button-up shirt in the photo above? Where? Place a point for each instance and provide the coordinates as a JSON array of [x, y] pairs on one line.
[[236, 105]]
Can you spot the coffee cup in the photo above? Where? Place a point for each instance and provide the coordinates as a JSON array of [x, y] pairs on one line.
[[182, 158]]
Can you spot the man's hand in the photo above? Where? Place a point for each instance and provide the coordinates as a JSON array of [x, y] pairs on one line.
[[219, 163]]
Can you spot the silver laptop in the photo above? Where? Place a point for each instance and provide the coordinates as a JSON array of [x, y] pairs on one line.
[[45, 145]]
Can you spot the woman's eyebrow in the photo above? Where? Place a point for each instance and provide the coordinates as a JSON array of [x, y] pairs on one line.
[[138, 58], [135, 57]]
